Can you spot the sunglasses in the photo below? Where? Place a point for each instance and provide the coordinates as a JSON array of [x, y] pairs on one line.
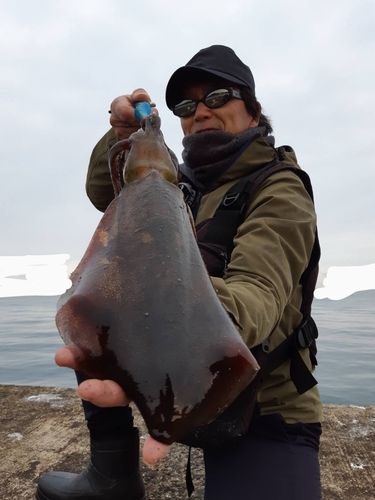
[[213, 100]]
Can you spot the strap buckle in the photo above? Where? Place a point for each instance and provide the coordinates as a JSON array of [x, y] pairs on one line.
[[230, 198], [189, 193], [238, 199], [307, 333]]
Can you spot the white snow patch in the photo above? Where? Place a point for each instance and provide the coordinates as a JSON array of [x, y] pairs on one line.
[[15, 435], [357, 466], [44, 398], [55, 400], [360, 431], [360, 407]]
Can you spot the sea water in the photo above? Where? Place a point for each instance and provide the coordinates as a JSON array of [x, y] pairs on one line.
[[346, 346]]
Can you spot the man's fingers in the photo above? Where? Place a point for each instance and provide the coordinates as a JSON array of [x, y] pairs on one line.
[[140, 95], [122, 113], [107, 393], [103, 393], [122, 117], [68, 357], [154, 451]]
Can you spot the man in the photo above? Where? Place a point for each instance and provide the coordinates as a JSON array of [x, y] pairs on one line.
[[226, 137]]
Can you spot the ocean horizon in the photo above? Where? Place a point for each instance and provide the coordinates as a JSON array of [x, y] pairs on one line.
[[346, 346]]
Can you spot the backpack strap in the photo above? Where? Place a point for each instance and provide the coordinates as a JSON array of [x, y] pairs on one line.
[[304, 336], [222, 230], [227, 218], [217, 239], [191, 193]]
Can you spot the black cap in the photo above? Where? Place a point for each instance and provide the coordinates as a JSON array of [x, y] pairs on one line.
[[217, 60]]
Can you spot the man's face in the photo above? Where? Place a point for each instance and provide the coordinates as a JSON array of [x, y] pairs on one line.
[[233, 117]]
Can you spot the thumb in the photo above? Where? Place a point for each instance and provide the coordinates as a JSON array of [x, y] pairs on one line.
[[69, 357], [154, 451], [140, 95]]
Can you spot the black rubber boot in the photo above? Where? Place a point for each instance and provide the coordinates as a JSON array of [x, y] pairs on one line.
[[112, 474]]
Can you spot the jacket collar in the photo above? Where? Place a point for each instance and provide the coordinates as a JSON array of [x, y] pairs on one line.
[[255, 155]]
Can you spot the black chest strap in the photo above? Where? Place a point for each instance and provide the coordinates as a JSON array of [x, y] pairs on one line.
[[219, 237]]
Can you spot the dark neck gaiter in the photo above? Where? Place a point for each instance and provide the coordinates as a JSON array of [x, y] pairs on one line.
[[208, 155]]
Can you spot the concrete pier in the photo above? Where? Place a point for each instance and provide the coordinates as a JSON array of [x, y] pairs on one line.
[[42, 428]]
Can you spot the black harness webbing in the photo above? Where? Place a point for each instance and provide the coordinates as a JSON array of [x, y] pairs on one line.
[[222, 231], [231, 210]]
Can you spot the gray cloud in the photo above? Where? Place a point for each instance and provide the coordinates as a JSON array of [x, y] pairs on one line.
[[63, 63]]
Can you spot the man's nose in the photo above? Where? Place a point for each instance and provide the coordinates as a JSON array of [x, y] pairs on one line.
[[202, 111]]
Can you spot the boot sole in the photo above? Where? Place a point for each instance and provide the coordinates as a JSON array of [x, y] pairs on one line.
[[40, 496]]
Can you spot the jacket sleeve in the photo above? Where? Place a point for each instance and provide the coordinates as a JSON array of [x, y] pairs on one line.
[[272, 248], [98, 181]]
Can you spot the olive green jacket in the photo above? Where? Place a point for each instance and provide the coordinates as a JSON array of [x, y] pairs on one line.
[[260, 288]]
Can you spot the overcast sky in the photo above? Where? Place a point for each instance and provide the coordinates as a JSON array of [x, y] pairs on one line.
[[63, 62]]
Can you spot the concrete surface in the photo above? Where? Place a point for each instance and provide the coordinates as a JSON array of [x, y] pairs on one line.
[[42, 428]]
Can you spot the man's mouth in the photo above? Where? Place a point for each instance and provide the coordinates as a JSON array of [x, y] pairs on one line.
[[206, 130]]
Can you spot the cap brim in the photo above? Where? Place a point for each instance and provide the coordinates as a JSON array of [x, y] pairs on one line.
[[175, 87]]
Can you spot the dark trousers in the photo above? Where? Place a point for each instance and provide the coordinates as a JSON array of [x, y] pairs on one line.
[[106, 423], [274, 461]]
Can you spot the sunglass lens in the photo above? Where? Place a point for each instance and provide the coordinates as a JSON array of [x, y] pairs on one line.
[[185, 108], [217, 98], [213, 100]]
